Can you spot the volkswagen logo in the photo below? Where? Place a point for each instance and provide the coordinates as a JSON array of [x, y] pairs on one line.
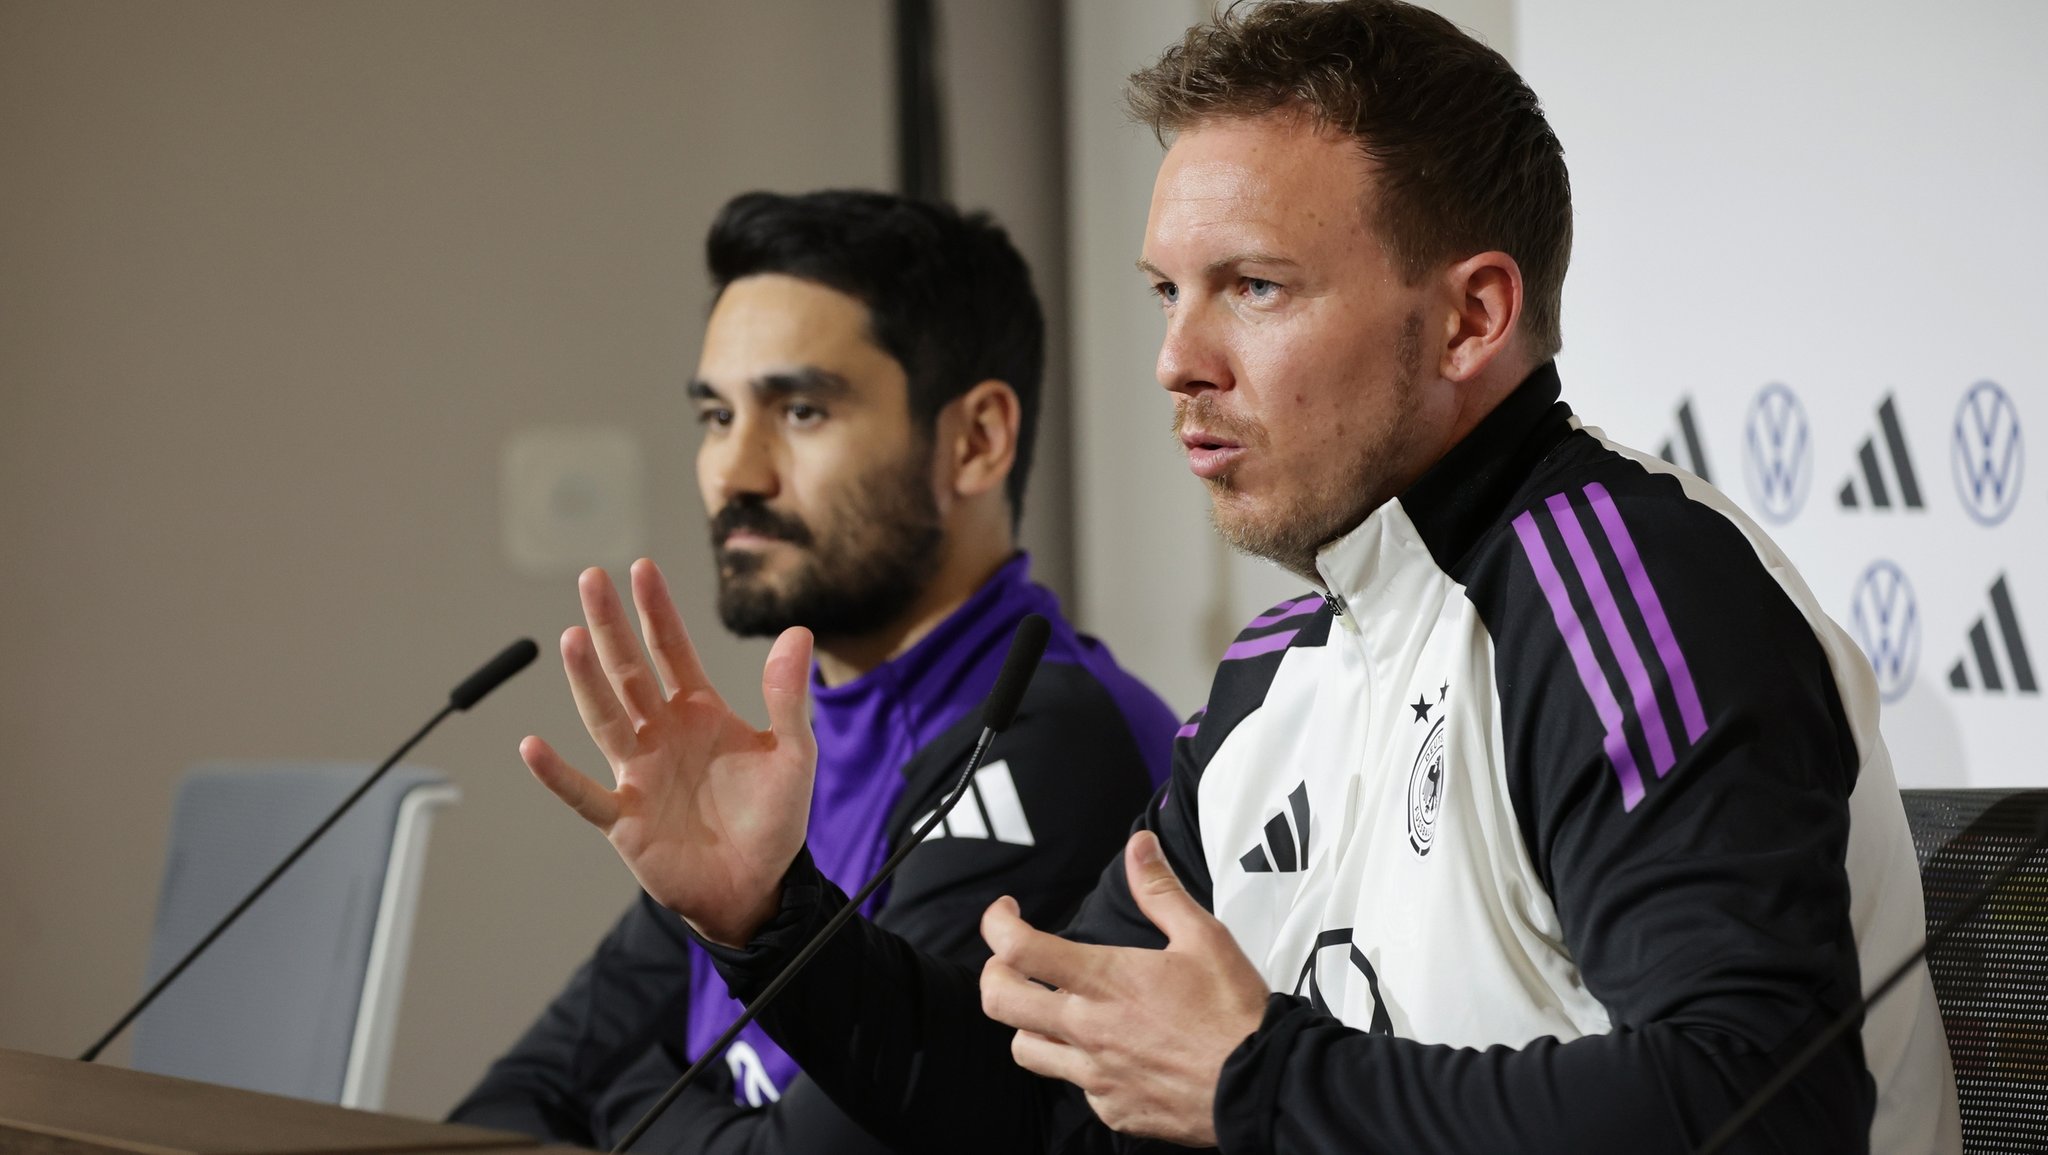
[[1775, 457], [1987, 453], [1887, 624]]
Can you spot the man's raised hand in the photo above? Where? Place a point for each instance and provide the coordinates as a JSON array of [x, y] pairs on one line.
[[708, 812]]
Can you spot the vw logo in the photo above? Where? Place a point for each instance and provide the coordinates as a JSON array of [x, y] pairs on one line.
[[1776, 458], [1987, 453], [1887, 624]]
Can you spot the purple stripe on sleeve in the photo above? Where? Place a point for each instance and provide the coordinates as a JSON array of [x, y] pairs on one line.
[[1649, 713], [1253, 647], [1285, 610], [1581, 650], [1193, 724], [1689, 709]]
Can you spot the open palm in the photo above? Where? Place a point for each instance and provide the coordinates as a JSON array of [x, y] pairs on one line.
[[708, 812]]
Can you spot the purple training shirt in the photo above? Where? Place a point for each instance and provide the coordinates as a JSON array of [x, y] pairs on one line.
[[869, 728]]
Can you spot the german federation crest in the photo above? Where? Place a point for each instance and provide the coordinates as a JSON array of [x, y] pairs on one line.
[[1887, 624], [1987, 453], [1426, 790], [1776, 458]]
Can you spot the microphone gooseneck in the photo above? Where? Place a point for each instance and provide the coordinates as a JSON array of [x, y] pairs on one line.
[[488, 677], [1027, 646], [1763, 1096]]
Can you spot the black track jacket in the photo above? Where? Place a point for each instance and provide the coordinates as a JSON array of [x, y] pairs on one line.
[[1557, 825]]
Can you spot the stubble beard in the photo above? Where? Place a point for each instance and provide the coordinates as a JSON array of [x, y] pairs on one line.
[[873, 557], [1292, 527]]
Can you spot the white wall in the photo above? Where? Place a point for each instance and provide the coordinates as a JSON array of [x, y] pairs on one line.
[[1844, 198]]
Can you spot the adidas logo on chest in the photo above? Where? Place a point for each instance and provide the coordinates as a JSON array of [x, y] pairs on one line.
[[1284, 847]]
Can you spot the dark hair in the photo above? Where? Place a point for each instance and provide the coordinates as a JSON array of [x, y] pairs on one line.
[[947, 295], [1466, 161]]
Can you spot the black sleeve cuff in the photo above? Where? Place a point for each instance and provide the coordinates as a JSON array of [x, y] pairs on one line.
[[809, 900], [1248, 1090]]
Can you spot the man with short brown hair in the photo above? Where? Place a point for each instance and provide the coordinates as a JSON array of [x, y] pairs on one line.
[[1558, 819]]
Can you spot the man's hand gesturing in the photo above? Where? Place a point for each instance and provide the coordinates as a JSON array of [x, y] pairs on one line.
[[709, 812], [1144, 1033]]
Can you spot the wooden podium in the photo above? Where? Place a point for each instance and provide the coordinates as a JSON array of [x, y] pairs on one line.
[[51, 1106]]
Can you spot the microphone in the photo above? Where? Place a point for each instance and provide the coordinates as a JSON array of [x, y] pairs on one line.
[[494, 673], [1027, 646], [1849, 1018], [488, 677]]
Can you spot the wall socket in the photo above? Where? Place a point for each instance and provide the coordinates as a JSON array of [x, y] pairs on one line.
[[571, 498]]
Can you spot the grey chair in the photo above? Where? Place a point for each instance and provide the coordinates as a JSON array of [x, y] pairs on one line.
[[300, 997], [1991, 978]]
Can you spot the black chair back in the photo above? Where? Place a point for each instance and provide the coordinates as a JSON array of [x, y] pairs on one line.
[[1991, 977]]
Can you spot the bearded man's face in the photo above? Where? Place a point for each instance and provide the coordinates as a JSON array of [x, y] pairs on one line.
[[819, 484]]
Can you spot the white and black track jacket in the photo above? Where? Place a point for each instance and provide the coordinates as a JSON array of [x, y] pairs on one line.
[[1558, 825]]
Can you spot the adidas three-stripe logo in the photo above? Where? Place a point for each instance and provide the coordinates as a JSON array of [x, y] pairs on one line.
[[1640, 645], [1688, 439], [1873, 475], [991, 810], [1289, 846], [1989, 677]]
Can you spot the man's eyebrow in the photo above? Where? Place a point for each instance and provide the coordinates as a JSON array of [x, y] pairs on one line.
[[1247, 257], [1250, 257], [804, 382]]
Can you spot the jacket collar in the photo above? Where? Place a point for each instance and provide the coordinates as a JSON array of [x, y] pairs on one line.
[[1462, 496]]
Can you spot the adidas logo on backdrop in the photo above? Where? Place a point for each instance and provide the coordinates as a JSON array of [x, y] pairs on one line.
[[1983, 654], [1694, 458], [1288, 846], [1877, 489]]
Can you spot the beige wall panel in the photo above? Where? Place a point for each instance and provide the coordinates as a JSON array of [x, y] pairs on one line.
[[1006, 151], [277, 282]]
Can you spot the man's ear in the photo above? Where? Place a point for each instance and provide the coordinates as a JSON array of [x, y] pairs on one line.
[[1485, 295], [979, 432]]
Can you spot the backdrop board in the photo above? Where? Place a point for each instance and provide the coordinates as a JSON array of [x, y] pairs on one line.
[[1807, 239]]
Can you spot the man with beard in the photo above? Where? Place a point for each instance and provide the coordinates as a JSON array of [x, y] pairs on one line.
[[1558, 820], [868, 390]]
